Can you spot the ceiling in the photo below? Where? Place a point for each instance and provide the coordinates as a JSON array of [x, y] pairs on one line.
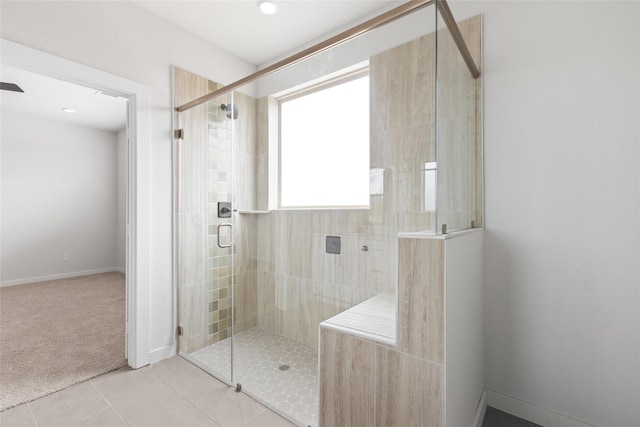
[[238, 26], [45, 97]]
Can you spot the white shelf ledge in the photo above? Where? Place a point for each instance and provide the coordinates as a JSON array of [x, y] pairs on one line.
[[244, 212], [434, 236], [373, 319]]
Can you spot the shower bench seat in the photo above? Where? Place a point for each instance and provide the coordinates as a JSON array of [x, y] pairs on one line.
[[373, 319], [417, 361]]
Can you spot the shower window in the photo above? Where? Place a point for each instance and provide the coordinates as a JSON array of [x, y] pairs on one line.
[[324, 144]]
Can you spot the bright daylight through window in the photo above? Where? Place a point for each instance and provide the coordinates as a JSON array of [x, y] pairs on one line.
[[324, 146]]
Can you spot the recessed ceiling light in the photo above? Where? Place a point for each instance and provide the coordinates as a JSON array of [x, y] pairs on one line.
[[267, 7], [69, 110]]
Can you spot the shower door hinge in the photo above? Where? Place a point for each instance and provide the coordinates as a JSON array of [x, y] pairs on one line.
[[180, 331], [179, 134]]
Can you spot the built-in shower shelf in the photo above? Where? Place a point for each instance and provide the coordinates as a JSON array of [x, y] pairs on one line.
[[244, 212], [373, 319]]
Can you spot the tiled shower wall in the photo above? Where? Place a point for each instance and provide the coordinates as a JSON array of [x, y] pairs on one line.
[[298, 283], [204, 176], [433, 375], [230, 162], [285, 282], [219, 189]]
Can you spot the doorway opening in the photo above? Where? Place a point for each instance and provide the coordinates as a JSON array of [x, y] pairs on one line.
[[64, 181], [134, 144]]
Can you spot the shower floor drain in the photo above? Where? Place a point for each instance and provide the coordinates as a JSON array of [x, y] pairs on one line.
[[284, 367]]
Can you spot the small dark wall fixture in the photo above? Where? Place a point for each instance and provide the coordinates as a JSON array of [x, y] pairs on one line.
[[333, 245], [224, 209]]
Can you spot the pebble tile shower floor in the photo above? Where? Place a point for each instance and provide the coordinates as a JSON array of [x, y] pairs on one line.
[[259, 359]]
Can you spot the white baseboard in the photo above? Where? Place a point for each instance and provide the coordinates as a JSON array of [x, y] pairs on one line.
[[162, 353], [120, 270], [480, 410], [532, 413], [58, 276]]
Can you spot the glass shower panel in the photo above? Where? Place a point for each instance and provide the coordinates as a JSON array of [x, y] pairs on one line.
[[204, 224], [296, 267], [459, 131]]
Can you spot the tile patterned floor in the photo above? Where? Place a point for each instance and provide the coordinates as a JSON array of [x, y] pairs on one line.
[[175, 393], [170, 393], [258, 355]]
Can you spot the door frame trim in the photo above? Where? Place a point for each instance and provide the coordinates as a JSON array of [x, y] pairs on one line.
[[138, 178]]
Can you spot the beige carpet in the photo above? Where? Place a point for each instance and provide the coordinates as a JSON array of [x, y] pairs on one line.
[[58, 333]]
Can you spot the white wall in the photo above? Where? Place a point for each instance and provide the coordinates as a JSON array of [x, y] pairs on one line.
[[562, 241], [58, 196], [126, 40], [464, 338], [121, 203]]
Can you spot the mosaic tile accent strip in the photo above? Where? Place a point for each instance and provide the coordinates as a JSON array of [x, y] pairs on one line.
[[219, 185], [260, 357]]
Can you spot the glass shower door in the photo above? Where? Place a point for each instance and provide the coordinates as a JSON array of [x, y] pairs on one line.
[[204, 217], [299, 266]]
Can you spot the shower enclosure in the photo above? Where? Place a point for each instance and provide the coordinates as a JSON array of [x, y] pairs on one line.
[[255, 277]]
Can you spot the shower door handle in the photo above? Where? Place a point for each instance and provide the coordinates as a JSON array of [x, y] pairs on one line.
[[226, 224]]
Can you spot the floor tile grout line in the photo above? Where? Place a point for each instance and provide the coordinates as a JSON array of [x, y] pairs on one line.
[[109, 403], [33, 416], [174, 394], [199, 410], [178, 392], [181, 396], [267, 408]]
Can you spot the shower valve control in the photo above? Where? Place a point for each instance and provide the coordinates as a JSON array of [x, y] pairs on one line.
[[224, 209]]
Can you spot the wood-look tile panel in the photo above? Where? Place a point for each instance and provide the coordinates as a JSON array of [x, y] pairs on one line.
[[409, 390], [246, 300], [191, 211], [191, 182], [192, 314], [346, 380], [262, 154], [243, 140], [244, 232], [412, 82], [288, 307], [266, 300], [421, 298], [264, 239], [309, 314], [379, 92]]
